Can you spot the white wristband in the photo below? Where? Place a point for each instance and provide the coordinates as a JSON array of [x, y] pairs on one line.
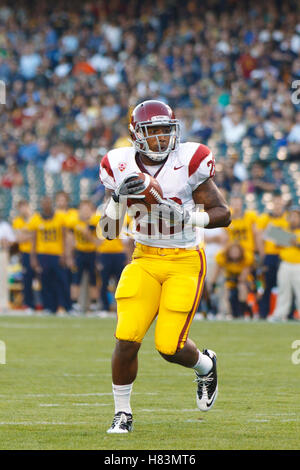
[[114, 209], [199, 219]]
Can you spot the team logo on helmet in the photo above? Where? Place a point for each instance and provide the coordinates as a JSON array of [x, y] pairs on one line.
[[160, 118]]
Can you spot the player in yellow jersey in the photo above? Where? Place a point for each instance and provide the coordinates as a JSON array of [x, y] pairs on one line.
[[269, 251], [62, 206], [288, 277], [84, 242], [242, 229], [62, 202], [24, 238], [236, 264], [48, 255]]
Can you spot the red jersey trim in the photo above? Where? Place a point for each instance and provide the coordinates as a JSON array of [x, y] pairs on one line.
[[106, 165], [201, 153]]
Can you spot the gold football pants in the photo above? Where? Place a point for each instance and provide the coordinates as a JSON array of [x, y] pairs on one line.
[[162, 282]]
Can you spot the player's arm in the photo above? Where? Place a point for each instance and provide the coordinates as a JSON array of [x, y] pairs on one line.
[[69, 247], [259, 242], [255, 237], [33, 254], [23, 235], [243, 277], [216, 212], [65, 257], [217, 271], [113, 216], [224, 239], [90, 234]]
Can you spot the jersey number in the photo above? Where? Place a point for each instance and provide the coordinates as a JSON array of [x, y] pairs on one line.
[[212, 164]]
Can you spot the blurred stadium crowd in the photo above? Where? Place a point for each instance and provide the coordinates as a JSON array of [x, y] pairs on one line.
[[74, 70]]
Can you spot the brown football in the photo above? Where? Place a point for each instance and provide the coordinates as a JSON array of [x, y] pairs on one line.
[[153, 192]]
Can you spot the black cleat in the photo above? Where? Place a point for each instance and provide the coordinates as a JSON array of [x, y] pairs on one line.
[[207, 389], [122, 423]]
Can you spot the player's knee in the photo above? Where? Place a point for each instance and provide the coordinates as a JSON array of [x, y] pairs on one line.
[[167, 350], [167, 342], [168, 357], [126, 349]]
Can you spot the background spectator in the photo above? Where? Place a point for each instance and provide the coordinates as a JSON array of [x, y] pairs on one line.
[[289, 271], [12, 176]]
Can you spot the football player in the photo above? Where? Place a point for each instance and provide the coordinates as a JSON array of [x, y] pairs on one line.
[[166, 275], [288, 276], [48, 255], [61, 203], [235, 262], [242, 229], [19, 224], [269, 251], [84, 243]]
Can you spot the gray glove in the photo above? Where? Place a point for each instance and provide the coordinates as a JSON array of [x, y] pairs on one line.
[[172, 212], [130, 187]]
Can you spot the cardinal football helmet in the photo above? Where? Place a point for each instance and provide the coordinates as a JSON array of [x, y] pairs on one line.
[[154, 113]]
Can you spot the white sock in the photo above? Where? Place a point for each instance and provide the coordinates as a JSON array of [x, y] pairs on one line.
[[122, 397], [203, 365]]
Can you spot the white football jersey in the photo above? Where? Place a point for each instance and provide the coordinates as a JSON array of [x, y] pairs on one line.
[[180, 174]]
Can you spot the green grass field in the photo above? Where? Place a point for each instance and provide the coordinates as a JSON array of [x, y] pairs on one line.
[[55, 389]]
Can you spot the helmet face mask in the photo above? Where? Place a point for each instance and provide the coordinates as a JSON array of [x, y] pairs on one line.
[[148, 116], [143, 136]]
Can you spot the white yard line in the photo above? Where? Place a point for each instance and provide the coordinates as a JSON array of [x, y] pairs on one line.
[[73, 404], [39, 423], [49, 404], [42, 395], [194, 420], [167, 410], [31, 326], [275, 414], [91, 404], [77, 375], [258, 420]]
